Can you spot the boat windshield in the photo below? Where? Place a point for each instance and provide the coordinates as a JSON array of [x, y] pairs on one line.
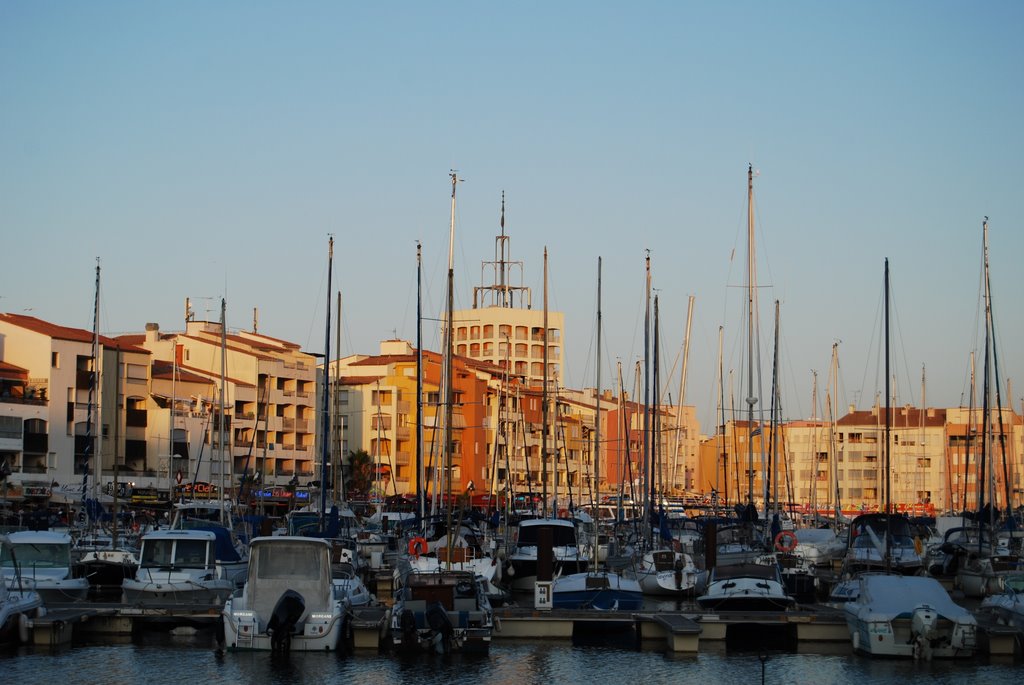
[[37, 555], [190, 553], [561, 536], [866, 530]]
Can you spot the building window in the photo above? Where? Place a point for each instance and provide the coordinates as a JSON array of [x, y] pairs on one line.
[[55, 360], [489, 331]]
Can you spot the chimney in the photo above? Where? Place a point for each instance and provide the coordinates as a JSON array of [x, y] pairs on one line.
[[152, 332]]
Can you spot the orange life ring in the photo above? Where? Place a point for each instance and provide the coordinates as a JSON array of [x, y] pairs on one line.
[[417, 546], [785, 541]]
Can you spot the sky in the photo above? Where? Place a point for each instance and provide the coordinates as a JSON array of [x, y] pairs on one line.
[[206, 150]]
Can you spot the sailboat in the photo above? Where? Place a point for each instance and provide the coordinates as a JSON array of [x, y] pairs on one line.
[[984, 565], [892, 614], [594, 589], [445, 609], [663, 570], [735, 578], [878, 542], [545, 547], [102, 557]]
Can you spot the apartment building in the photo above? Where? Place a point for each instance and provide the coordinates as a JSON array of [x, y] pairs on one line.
[[378, 411], [68, 419], [268, 389]]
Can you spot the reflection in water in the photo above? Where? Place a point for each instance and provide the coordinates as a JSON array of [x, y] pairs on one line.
[[167, 657]]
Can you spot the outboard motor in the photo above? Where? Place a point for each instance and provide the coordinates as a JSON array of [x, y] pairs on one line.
[[407, 621], [441, 625], [286, 614]]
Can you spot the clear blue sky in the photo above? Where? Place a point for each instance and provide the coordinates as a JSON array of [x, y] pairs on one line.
[[205, 149]]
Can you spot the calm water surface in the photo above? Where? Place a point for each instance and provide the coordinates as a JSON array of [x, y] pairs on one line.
[[159, 658]]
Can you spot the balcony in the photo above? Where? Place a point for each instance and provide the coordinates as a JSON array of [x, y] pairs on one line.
[[135, 417]]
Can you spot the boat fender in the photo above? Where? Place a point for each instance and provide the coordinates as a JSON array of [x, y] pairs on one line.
[[24, 626], [417, 546], [785, 541]]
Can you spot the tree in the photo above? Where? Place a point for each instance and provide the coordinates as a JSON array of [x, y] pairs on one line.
[[360, 473]]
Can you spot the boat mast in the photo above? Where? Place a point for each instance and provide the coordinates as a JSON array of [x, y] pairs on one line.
[[223, 386], [117, 439], [888, 421], [751, 400], [325, 429], [773, 463], [648, 498], [657, 470], [421, 498], [544, 401], [92, 414], [597, 419], [337, 473], [682, 396], [449, 395], [722, 472]]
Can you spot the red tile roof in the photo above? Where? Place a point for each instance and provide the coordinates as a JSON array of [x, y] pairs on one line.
[[164, 370], [57, 332], [13, 372]]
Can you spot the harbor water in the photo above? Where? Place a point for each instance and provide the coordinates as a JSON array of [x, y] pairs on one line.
[[188, 656]]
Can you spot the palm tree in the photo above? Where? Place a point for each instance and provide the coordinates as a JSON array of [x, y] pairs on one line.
[[360, 472]]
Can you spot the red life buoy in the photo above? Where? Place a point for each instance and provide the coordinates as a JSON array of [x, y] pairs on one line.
[[417, 546], [785, 541]]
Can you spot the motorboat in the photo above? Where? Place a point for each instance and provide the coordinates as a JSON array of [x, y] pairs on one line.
[[17, 606], [105, 562], [819, 547], [745, 587], [567, 556], [177, 567], [601, 590], [1008, 606], [877, 543], [465, 554], [289, 601], [44, 558], [737, 544], [909, 616], [349, 586], [446, 611], [667, 573]]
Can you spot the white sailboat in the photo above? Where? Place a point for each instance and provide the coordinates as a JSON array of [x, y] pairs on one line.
[[595, 589], [736, 579]]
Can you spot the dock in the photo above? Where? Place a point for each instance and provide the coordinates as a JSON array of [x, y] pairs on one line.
[[680, 632]]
